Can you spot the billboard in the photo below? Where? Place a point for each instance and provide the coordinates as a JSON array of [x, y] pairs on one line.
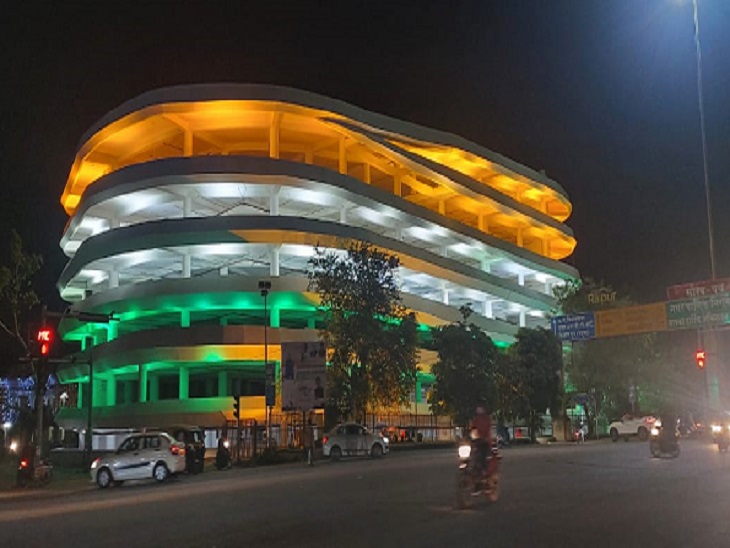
[[629, 320], [693, 290], [699, 313], [303, 370]]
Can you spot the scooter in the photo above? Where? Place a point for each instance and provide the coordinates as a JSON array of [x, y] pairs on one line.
[[41, 473], [663, 442], [223, 459], [471, 479], [721, 436]]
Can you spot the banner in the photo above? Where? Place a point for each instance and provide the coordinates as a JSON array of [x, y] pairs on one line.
[[303, 370]]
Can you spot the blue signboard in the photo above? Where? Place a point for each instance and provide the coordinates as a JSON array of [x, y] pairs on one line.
[[575, 327]]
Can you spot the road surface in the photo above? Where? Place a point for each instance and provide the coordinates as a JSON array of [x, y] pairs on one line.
[[598, 494]]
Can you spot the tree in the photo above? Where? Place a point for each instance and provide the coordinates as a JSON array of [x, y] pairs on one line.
[[606, 367], [464, 372], [537, 356], [372, 336], [17, 298]]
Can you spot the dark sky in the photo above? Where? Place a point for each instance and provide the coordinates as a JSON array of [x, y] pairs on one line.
[[601, 95]]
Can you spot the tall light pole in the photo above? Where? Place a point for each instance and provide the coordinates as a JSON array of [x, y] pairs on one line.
[[700, 98], [264, 287]]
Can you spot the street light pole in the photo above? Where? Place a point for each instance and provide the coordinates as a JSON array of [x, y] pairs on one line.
[[700, 98], [265, 286]]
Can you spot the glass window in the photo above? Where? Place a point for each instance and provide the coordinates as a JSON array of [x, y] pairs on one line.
[[130, 444], [152, 442], [353, 430]]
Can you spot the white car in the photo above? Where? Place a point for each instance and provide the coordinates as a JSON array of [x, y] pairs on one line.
[[351, 439], [153, 455], [631, 426]]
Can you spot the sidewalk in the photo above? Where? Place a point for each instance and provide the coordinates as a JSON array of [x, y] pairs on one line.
[[64, 481]]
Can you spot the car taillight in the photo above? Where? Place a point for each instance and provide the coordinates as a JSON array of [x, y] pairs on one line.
[[24, 463], [324, 439], [175, 450]]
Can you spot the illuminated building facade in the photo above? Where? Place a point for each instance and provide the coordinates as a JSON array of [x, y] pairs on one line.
[[180, 201]]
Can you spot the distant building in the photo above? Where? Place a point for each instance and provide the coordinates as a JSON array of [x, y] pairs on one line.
[[181, 200]]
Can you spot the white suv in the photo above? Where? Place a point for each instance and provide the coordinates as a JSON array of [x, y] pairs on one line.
[[631, 426], [153, 455]]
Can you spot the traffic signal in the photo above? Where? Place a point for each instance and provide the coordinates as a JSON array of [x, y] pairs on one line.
[[44, 338], [236, 406], [700, 358]]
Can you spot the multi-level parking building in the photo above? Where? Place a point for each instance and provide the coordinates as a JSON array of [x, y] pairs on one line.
[[180, 201]]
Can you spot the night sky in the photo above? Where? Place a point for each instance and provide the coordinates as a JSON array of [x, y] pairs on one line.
[[601, 95]]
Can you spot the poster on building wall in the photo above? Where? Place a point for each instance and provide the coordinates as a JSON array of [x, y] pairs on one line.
[[303, 369]]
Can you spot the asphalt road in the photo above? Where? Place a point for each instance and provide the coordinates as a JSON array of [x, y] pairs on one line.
[[598, 494]]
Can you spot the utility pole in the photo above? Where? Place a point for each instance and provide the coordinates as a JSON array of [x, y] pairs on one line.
[[265, 286]]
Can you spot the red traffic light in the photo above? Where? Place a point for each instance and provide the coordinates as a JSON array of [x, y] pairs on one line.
[[700, 358], [45, 338]]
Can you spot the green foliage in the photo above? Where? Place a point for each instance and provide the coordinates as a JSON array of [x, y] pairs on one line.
[[465, 370], [537, 358], [373, 337], [17, 296], [607, 366]]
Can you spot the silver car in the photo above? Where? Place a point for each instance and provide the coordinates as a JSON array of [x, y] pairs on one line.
[[152, 455], [351, 439]]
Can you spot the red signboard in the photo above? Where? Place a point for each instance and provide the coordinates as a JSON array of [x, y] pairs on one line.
[[698, 289]]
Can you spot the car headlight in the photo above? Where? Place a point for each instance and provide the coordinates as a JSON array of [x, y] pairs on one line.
[[95, 464], [386, 440], [464, 451], [655, 431], [657, 423], [716, 428], [226, 444]]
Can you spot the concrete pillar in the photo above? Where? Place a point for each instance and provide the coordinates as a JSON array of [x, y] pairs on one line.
[[274, 260], [274, 201], [184, 383], [111, 390], [128, 396], [187, 143], [274, 135], [343, 215], [274, 316], [185, 318], [445, 295], [187, 206], [487, 309], [442, 207], [113, 279], [342, 156], [522, 318], [521, 279], [482, 223], [486, 266], [97, 391], [142, 383], [366, 173], [520, 242], [186, 265], [154, 394], [113, 223], [223, 271], [112, 331], [222, 384], [397, 187]]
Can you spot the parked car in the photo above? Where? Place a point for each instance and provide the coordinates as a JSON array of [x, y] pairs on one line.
[[152, 455], [351, 439], [631, 426], [194, 440]]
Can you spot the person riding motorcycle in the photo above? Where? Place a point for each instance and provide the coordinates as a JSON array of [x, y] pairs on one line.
[[482, 436]]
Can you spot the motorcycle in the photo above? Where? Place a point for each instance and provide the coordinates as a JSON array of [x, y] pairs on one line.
[[28, 472], [471, 479], [223, 459], [721, 436], [663, 442]]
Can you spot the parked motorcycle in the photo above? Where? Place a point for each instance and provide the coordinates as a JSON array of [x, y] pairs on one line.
[[721, 436], [28, 472], [663, 441], [471, 479], [223, 459]]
